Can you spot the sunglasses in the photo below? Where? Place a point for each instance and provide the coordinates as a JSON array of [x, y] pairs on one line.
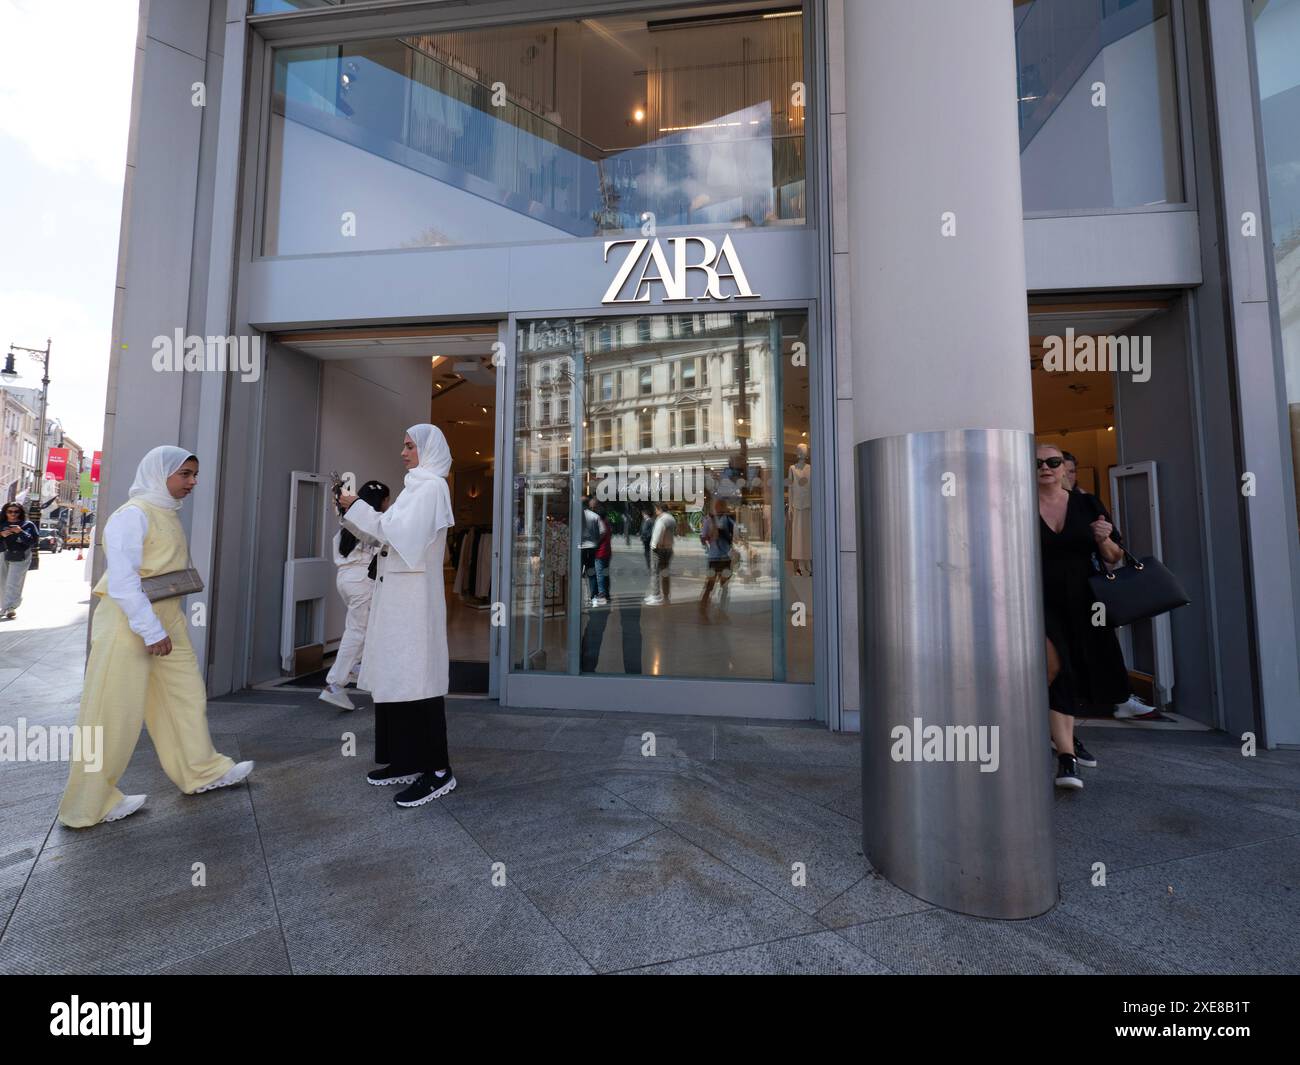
[[1051, 463]]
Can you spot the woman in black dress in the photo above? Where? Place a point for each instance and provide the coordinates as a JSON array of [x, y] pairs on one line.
[[1085, 667]]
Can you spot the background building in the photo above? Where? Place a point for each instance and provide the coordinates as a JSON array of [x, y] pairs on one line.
[[17, 445]]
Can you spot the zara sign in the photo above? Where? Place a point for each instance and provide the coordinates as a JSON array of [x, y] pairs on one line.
[[715, 263]]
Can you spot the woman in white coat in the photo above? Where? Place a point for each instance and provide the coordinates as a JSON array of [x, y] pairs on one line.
[[404, 664]]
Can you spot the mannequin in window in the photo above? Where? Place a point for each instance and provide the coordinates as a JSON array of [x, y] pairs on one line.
[[800, 507]]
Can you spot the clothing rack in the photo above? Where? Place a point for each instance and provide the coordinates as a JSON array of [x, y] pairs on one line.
[[472, 557]]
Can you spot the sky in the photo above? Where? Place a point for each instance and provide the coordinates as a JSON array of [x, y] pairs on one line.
[[65, 102]]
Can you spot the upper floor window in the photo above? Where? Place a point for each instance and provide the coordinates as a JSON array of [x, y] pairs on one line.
[[548, 130], [1098, 104]]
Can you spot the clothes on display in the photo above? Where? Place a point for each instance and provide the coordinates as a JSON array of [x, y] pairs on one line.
[[472, 551], [799, 478]]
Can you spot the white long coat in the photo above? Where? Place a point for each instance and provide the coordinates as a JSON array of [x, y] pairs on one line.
[[405, 658]]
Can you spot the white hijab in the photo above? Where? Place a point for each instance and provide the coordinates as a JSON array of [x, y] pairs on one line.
[[150, 484], [423, 508]]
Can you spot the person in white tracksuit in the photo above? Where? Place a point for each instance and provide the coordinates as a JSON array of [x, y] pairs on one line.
[[354, 556]]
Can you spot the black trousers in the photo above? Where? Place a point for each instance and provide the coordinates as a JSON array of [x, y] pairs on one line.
[[412, 736]]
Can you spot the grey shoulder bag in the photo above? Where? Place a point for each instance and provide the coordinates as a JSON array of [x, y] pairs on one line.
[[171, 585]]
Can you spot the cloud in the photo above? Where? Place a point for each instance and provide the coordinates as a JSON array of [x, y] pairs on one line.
[[65, 86]]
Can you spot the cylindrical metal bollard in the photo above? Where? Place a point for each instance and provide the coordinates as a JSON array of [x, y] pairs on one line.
[[956, 756]]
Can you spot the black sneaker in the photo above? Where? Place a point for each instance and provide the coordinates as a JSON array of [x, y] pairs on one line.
[[381, 778], [1067, 772], [1083, 756], [426, 789]]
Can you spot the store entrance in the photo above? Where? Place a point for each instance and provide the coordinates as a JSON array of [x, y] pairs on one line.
[[1112, 389], [374, 383]]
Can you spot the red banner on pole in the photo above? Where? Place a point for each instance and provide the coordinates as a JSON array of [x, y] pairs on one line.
[[57, 464], [94, 466]]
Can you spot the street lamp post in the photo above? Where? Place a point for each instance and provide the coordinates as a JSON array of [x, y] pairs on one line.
[[10, 372]]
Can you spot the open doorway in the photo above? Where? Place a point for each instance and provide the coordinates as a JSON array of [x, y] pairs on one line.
[[463, 405], [1120, 409], [374, 383]]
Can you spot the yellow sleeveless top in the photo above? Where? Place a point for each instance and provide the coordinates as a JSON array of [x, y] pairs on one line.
[[165, 546]]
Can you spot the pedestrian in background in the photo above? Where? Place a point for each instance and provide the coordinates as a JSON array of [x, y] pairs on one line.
[[20, 538]]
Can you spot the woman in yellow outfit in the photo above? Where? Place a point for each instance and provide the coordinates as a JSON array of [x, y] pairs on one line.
[[142, 669]]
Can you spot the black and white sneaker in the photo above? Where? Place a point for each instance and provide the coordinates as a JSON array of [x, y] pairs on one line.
[[1067, 772], [1084, 756], [430, 786], [381, 778]]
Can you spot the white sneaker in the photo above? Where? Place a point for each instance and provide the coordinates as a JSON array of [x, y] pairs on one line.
[[125, 808], [337, 698], [653, 600], [234, 775], [1135, 707], [600, 600]]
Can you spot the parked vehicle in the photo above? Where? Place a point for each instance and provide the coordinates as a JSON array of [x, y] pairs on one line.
[[50, 539]]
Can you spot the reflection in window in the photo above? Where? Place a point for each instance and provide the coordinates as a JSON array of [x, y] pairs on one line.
[[1277, 51], [732, 596], [539, 131], [1097, 103]]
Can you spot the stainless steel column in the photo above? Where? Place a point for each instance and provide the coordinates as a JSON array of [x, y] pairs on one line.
[[949, 586]]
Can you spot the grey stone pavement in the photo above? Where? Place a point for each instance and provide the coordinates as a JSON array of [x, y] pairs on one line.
[[613, 862]]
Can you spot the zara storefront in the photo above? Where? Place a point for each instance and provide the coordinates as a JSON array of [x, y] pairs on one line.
[[587, 246], [606, 246]]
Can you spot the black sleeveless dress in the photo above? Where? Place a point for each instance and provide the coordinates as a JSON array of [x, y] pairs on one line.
[[1093, 676]]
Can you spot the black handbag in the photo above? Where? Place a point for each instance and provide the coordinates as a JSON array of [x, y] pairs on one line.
[[1142, 589]]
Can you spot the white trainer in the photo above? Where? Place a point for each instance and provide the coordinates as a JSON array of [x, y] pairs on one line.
[[1135, 707], [337, 698], [234, 775], [125, 808]]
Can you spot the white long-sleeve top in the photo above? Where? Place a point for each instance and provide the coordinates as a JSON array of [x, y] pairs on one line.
[[361, 554], [661, 535], [124, 550]]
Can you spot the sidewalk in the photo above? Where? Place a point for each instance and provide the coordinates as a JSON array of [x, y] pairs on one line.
[[612, 861]]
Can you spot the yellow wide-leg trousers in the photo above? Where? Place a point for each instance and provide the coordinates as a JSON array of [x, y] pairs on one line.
[[127, 687]]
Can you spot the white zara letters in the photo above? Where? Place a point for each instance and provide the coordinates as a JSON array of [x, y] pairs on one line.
[[673, 277]]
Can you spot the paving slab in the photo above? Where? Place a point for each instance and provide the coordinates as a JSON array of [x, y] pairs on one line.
[[661, 899]]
